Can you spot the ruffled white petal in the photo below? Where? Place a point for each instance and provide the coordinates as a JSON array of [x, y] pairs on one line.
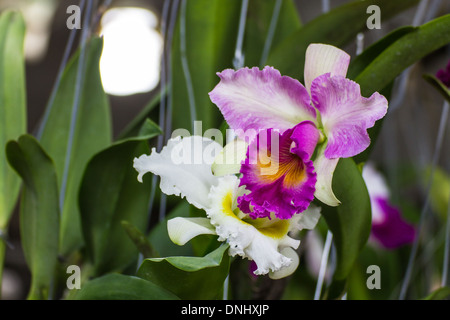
[[230, 158], [325, 168], [290, 269], [259, 240], [181, 230], [307, 219], [321, 59], [184, 166]]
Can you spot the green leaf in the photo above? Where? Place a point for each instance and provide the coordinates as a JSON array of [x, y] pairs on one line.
[[109, 194], [92, 134], [259, 17], [351, 221], [189, 277], [402, 53], [439, 294], [39, 211], [337, 27], [359, 63], [122, 287], [12, 105], [211, 30]]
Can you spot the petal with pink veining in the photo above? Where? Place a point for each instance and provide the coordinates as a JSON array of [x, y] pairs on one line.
[[252, 100], [345, 114]]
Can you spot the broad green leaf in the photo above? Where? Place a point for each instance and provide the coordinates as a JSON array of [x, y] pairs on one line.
[[211, 30], [360, 62], [402, 53], [337, 27], [189, 277], [12, 105], [122, 287], [351, 221], [439, 294], [39, 211], [109, 194], [257, 25], [92, 134]]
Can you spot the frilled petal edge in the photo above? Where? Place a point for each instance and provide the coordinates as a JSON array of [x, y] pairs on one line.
[[184, 171]]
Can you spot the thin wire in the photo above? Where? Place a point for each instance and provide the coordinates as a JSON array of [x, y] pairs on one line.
[[169, 112], [4, 238], [238, 61], [325, 6], [418, 19], [162, 104], [433, 9], [271, 32], [437, 152], [359, 43], [420, 13], [225, 287], [76, 102], [160, 141], [62, 67], [403, 80], [446, 262], [185, 64], [323, 265], [168, 107]]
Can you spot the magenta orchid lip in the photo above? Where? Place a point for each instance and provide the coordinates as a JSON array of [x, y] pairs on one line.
[[289, 189]]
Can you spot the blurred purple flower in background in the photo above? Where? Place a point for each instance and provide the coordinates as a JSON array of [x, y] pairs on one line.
[[389, 229], [444, 75]]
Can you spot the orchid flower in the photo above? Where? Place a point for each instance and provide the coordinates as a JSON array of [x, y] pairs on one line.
[[184, 166], [388, 227], [316, 124]]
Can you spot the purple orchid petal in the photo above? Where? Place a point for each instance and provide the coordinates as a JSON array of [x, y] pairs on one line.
[[252, 100], [391, 231], [345, 114], [444, 75], [281, 179]]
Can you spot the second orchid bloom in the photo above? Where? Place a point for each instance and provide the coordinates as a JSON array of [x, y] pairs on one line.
[[289, 140]]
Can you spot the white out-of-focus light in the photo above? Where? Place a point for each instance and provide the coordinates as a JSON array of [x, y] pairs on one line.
[[130, 61]]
